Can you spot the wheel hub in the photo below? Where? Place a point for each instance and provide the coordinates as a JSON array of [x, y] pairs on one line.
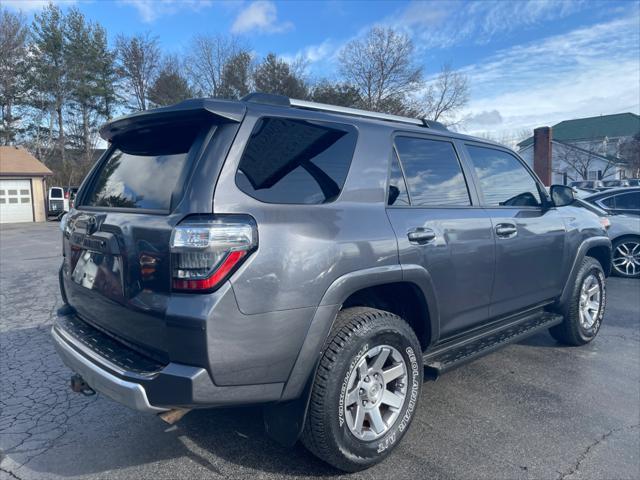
[[373, 394], [590, 301], [626, 258], [376, 392]]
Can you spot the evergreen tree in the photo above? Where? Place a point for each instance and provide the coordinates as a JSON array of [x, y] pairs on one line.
[[274, 75], [48, 69], [236, 76], [170, 86], [341, 94], [13, 73]]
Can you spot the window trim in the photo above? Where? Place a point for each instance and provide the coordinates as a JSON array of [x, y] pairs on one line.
[[542, 191], [614, 196], [396, 156], [473, 200], [258, 118]]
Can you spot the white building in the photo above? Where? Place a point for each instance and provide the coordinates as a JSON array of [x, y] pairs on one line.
[[586, 148]]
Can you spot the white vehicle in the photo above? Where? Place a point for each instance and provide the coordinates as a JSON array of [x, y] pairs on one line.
[[61, 200], [56, 202]]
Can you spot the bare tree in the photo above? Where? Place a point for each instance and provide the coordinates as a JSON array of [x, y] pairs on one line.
[[138, 63], [579, 161], [383, 67], [446, 96], [205, 63], [630, 154], [13, 70]]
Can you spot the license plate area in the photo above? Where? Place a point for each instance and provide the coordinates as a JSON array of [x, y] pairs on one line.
[[100, 272]]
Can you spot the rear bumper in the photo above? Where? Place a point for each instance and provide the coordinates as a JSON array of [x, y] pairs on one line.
[[131, 394], [172, 385]]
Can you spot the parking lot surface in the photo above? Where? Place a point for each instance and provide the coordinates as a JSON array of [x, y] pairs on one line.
[[532, 410]]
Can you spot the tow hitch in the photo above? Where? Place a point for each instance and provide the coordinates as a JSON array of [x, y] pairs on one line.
[[78, 385]]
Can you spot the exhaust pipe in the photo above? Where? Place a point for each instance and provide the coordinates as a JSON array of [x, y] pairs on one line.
[[174, 415]]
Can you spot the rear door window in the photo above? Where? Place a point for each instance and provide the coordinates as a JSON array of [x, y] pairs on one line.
[[609, 202], [504, 180], [296, 161], [628, 201], [144, 170], [433, 173]]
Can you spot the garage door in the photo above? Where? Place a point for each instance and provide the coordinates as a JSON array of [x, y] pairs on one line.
[[15, 201]]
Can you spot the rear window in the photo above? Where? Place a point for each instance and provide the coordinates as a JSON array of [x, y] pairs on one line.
[[296, 161], [144, 170], [56, 193]]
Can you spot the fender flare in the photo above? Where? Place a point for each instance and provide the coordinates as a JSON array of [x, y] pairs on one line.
[[284, 421], [581, 252]]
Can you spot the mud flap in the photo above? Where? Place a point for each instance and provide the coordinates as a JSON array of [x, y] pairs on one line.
[[284, 421]]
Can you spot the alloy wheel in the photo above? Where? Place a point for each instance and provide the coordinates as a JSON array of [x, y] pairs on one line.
[[626, 258], [376, 392], [590, 301]]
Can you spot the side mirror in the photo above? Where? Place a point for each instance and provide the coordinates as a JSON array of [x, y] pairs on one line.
[[561, 195]]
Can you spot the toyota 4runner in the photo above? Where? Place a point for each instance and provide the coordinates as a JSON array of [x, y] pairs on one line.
[[320, 261]]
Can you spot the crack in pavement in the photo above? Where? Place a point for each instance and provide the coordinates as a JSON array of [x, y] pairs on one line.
[[583, 456], [10, 473]]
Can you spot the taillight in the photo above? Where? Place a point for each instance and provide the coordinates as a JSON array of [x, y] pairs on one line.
[[66, 195], [206, 250]]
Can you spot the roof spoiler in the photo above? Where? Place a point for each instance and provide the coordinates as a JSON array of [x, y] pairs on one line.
[[205, 108]]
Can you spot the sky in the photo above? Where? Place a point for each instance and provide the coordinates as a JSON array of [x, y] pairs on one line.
[[529, 63]]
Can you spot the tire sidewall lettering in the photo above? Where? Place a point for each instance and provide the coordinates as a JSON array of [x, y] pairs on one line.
[[390, 438], [345, 383]]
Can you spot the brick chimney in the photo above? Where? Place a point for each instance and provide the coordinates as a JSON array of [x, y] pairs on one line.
[[542, 154]]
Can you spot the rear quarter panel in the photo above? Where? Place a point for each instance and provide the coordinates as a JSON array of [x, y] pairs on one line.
[[304, 248]]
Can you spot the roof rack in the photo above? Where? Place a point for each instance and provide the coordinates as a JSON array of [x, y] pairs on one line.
[[281, 100]]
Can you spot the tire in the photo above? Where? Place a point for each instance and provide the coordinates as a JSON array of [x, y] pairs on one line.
[[580, 327], [331, 429], [626, 257]]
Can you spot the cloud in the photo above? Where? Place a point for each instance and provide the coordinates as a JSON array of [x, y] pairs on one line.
[[317, 57], [151, 10], [484, 118], [436, 24], [260, 16], [31, 5], [584, 72]]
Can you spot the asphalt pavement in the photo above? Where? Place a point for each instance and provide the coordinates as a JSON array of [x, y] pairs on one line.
[[534, 410]]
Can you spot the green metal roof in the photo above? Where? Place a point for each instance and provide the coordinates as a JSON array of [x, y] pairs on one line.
[[593, 128]]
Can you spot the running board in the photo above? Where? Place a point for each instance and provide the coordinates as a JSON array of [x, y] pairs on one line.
[[457, 352]]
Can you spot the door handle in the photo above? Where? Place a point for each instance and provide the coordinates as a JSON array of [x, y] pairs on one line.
[[421, 235], [506, 230]]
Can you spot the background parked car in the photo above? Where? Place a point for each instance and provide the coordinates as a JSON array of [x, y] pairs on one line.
[[55, 202], [593, 184], [634, 182], [624, 232], [618, 200], [615, 183], [60, 200], [583, 192]]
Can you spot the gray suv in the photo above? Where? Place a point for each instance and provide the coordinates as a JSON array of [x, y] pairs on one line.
[[320, 261]]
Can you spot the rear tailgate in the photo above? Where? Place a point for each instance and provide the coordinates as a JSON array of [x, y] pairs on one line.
[[116, 271]]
